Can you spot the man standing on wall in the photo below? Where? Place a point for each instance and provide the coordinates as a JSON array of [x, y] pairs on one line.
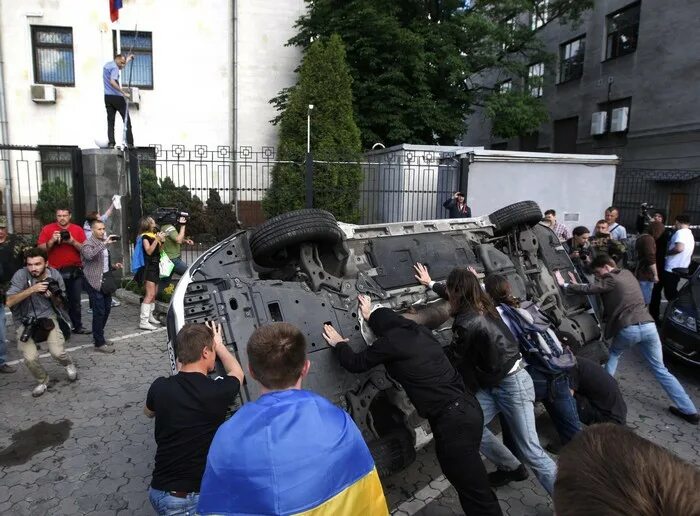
[[116, 97]]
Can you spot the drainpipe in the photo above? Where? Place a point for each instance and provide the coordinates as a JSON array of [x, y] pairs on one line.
[[5, 140], [234, 105]]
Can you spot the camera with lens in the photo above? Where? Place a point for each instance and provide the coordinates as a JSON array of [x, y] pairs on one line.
[[115, 238], [30, 323], [65, 235], [53, 287], [170, 216]]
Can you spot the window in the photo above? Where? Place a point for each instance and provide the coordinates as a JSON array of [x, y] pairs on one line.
[[571, 59], [623, 30], [138, 72], [57, 163], [535, 79], [541, 14], [565, 135], [509, 35], [505, 86], [52, 48]]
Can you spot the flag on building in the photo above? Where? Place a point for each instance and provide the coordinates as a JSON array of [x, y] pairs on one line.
[[114, 6]]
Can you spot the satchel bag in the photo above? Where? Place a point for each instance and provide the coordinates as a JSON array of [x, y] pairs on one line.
[[109, 284], [165, 265]]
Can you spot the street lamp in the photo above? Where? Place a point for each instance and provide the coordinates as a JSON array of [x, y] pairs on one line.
[[309, 162]]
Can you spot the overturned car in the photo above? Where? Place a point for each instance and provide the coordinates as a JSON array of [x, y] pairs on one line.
[[305, 268]]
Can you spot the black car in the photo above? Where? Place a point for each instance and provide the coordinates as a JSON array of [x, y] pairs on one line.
[[681, 326]]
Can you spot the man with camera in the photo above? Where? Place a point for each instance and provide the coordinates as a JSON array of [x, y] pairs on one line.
[[457, 206], [99, 282], [36, 299], [63, 240], [174, 238]]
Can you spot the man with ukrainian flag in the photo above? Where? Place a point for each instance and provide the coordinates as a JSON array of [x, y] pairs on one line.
[[291, 451]]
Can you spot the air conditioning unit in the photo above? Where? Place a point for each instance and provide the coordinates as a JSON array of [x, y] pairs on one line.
[[135, 95], [598, 122], [44, 93], [619, 119]]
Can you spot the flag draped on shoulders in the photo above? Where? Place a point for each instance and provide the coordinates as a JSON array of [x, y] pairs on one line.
[[290, 453]]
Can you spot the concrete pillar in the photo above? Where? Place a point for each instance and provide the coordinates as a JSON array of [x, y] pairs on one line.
[[105, 174]]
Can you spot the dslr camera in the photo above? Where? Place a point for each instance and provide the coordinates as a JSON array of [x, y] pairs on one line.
[[170, 216], [65, 235], [54, 287], [30, 323]]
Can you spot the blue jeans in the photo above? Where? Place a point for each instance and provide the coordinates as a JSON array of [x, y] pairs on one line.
[[101, 306], [647, 337], [514, 397], [167, 505], [555, 394], [647, 287], [3, 342]]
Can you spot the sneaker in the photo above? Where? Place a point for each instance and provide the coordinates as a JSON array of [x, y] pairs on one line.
[[72, 372], [7, 369], [693, 419], [501, 477], [116, 302], [82, 331], [40, 389], [105, 348]]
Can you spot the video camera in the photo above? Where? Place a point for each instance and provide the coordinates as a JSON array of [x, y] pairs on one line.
[[170, 216]]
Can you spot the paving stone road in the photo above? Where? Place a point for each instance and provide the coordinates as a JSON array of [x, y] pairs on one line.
[[86, 447]]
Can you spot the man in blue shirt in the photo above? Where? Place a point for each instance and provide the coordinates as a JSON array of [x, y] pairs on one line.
[[115, 97]]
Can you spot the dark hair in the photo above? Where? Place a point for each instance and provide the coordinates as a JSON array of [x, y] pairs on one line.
[[95, 222], [601, 261], [277, 354], [601, 221], [191, 341], [683, 219], [550, 212], [465, 294], [498, 288], [580, 230], [655, 229], [663, 215], [608, 469], [64, 208], [612, 208], [92, 216], [36, 252]]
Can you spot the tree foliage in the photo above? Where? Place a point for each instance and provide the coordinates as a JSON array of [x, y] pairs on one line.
[[52, 196], [324, 82], [419, 67], [515, 113]]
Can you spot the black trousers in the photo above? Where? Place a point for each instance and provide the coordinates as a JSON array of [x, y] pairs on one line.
[[74, 289], [670, 282], [114, 104], [457, 432], [655, 303]]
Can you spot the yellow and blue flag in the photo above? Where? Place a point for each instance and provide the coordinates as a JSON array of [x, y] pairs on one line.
[[290, 453]]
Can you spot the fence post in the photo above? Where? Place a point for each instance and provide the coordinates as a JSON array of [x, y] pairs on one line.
[[136, 206], [309, 180], [76, 155]]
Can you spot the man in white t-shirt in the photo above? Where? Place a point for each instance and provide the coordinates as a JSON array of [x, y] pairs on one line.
[[679, 253], [617, 231]]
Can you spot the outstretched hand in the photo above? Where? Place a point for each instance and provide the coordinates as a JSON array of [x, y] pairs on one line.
[[333, 338], [365, 306], [423, 276]]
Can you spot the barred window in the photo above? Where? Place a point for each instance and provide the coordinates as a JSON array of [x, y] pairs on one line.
[[138, 72], [52, 48], [505, 86], [623, 31], [571, 59], [56, 163], [535, 79], [540, 15]]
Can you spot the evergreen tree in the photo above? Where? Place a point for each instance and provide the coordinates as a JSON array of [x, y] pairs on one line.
[[418, 67], [325, 82], [52, 196]]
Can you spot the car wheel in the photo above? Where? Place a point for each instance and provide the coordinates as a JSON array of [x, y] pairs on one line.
[[269, 244], [523, 213], [393, 452]]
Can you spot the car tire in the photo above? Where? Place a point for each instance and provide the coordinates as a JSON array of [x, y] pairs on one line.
[[393, 452], [523, 213], [270, 241]]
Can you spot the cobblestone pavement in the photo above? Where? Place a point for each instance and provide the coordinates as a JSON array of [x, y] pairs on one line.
[[86, 448]]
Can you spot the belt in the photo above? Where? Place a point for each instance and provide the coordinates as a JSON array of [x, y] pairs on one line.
[[180, 494]]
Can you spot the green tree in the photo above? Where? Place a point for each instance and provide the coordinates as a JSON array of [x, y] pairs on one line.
[[221, 217], [515, 113], [419, 68], [325, 82], [53, 195]]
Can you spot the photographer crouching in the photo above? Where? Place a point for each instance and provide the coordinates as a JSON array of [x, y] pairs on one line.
[[36, 298], [99, 282]]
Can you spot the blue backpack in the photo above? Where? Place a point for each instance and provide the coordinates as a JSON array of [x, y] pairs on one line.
[[539, 345], [137, 259]]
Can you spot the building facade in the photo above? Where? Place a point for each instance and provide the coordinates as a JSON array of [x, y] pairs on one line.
[[618, 86]]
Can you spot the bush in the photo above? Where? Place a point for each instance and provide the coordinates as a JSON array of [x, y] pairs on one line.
[[52, 196]]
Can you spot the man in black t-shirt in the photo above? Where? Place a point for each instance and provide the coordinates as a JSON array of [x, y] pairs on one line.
[[598, 397], [188, 408]]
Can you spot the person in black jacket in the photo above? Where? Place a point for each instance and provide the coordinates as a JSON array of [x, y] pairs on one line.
[[457, 206], [488, 357], [415, 359]]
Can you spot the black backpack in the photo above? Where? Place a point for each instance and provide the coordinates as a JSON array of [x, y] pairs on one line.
[[538, 344]]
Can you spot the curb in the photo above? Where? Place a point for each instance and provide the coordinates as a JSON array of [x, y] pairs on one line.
[[127, 296]]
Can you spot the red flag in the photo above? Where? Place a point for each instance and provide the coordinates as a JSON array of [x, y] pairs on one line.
[[114, 6]]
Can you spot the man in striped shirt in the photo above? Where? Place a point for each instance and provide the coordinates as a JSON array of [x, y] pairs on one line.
[[562, 232]]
